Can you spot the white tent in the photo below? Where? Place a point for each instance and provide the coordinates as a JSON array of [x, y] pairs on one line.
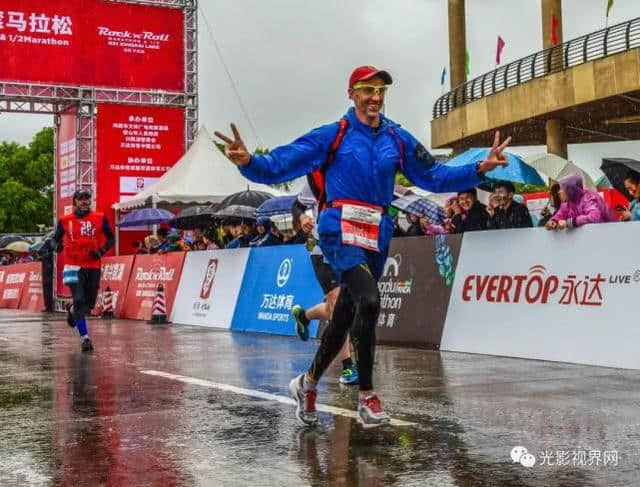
[[202, 176]]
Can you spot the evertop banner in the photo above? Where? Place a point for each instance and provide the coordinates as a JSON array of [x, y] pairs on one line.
[[209, 287], [560, 296], [92, 43]]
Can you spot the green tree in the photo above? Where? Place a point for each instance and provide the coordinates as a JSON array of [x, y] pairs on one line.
[[26, 183]]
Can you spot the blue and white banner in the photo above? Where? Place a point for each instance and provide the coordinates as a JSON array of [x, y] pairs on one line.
[[275, 279]]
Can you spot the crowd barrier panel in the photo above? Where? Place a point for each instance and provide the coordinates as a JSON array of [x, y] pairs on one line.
[[562, 296], [275, 279], [149, 271], [32, 298], [15, 281], [209, 287], [415, 288], [115, 274]]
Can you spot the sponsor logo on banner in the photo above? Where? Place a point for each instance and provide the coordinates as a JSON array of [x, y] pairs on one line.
[[414, 290], [284, 272], [540, 286], [16, 278], [115, 274], [209, 276], [563, 296], [276, 278], [209, 287]]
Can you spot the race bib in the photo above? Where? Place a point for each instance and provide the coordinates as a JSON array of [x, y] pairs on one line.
[[70, 274], [360, 226]]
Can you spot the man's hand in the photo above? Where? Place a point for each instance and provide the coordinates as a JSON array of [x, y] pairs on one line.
[[562, 224], [495, 158], [551, 225], [307, 224], [95, 254], [235, 149], [625, 216]]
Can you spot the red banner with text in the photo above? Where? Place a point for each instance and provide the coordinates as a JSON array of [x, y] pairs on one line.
[[148, 272], [14, 283], [136, 146], [115, 274], [32, 298], [92, 43]]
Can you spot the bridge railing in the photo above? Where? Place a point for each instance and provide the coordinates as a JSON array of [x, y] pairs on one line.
[[606, 42]]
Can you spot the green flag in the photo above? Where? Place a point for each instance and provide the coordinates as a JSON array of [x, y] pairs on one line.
[[609, 5], [467, 62]]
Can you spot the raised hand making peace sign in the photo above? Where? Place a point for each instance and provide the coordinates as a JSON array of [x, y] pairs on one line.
[[495, 158], [234, 148]]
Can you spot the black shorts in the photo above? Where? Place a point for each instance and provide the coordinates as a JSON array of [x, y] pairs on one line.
[[324, 274]]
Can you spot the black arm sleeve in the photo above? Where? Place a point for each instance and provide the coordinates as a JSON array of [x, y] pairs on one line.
[[56, 242], [108, 233]]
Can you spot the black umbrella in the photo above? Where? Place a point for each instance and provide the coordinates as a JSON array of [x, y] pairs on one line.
[[616, 170], [246, 198], [195, 217], [236, 212]]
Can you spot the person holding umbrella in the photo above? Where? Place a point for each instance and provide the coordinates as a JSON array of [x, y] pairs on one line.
[[353, 164], [85, 236], [632, 185]]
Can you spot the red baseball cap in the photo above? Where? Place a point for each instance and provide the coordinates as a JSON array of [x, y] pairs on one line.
[[364, 73]]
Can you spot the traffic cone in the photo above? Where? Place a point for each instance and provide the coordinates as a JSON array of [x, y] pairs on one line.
[[159, 310], [107, 304]]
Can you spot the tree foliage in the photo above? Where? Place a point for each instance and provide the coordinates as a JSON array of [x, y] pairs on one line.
[[26, 184]]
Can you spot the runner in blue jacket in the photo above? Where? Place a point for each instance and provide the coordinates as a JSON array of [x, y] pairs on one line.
[[357, 160]]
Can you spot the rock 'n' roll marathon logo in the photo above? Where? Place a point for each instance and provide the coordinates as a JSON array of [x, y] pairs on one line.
[[134, 36], [540, 286], [161, 274], [392, 291]]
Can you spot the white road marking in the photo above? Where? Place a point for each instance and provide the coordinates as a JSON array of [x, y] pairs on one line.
[[262, 395], [5, 339]]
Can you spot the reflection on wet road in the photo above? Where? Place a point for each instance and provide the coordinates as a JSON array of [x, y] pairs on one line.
[[179, 405]]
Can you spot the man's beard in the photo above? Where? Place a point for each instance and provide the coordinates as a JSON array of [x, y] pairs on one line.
[[80, 211]]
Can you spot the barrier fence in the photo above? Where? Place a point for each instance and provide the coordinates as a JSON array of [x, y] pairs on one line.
[[559, 296]]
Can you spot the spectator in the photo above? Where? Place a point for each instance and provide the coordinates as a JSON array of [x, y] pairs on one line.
[[579, 206], [553, 205], [198, 240], [414, 229], [264, 238], [632, 183], [151, 245], [468, 213], [504, 212], [210, 238], [163, 245], [176, 243], [245, 233], [300, 236]]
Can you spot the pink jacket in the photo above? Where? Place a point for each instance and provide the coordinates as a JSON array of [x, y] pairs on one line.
[[585, 206]]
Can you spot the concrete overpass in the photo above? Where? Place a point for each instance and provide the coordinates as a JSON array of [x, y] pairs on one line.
[[591, 84]]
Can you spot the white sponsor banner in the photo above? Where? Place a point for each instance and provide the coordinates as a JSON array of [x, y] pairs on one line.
[[563, 296], [132, 184], [209, 287]]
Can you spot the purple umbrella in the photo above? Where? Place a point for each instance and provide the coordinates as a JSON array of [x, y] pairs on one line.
[[146, 216]]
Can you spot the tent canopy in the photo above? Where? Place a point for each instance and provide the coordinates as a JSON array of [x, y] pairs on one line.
[[202, 176]]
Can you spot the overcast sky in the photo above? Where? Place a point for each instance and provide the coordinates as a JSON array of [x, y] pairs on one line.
[[291, 59]]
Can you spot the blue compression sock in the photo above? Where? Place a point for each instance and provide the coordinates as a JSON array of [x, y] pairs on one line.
[[81, 325]]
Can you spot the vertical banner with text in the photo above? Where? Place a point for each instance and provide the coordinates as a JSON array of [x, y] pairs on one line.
[[32, 298], [136, 146], [114, 274]]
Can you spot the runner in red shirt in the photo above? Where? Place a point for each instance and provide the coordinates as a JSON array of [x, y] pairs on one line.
[[84, 236]]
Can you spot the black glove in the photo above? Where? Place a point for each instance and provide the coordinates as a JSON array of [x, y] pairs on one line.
[[96, 254]]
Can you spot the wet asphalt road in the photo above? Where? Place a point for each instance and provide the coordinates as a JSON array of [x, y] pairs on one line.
[[153, 405]]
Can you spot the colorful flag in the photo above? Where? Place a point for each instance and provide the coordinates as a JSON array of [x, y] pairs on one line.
[[609, 5], [467, 63], [500, 48], [554, 30], [443, 76]]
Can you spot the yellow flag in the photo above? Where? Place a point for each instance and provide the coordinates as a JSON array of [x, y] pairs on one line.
[[609, 5]]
